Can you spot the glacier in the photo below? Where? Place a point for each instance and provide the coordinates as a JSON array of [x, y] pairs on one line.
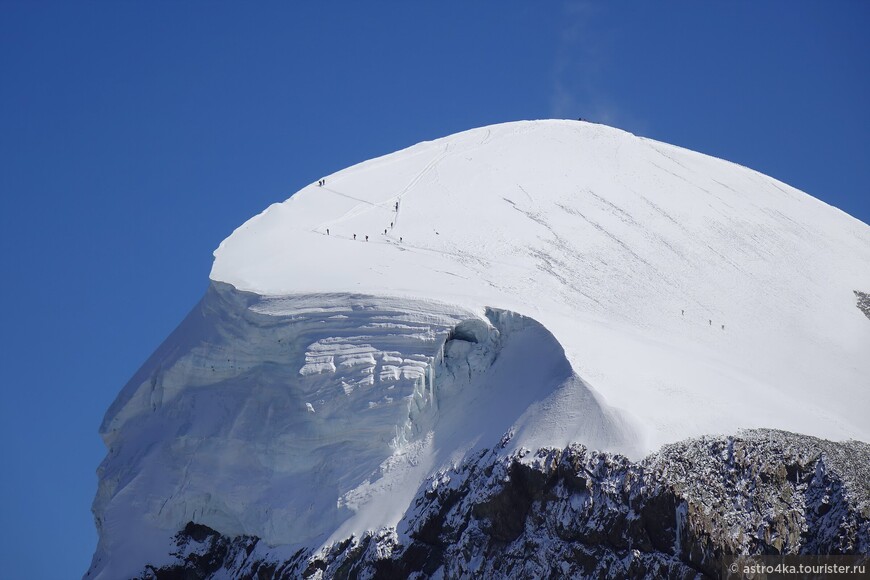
[[531, 284]]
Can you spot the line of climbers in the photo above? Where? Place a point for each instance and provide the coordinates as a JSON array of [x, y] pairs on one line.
[[322, 182], [709, 320]]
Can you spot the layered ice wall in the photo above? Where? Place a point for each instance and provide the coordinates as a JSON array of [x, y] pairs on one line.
[[293, 418], [258, 414]]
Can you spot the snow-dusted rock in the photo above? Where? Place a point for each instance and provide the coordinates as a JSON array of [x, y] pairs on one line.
[[863, 302], [577, 513]]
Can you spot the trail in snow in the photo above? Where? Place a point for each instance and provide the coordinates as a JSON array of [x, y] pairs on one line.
[[390, 206]]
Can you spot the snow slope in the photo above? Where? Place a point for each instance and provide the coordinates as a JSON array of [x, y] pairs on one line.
[[605, 238], [555, 281]]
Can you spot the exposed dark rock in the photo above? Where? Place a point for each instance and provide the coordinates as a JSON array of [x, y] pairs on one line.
[[863, 302], [580, 513]]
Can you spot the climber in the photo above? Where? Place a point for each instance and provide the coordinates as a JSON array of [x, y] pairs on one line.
[[367, 238], [354, 236], [327, 231]]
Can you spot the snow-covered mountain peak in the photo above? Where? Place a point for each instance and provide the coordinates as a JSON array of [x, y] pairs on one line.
[[511, 287]]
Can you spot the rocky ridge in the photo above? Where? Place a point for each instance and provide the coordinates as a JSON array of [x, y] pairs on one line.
[[575, 512]]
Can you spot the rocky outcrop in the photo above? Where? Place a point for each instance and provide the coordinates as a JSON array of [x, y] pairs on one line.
[[575, 512], [863, 302]]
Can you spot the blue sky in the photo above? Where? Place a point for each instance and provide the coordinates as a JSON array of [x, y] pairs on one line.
[[135, 136]]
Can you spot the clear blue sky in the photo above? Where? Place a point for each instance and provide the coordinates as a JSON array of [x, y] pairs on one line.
[[135, 136]]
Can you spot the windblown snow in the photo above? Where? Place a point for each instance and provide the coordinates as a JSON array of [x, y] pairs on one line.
[[546, 281]]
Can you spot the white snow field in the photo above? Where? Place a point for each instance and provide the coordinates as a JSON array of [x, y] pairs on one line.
[[554, 281]]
